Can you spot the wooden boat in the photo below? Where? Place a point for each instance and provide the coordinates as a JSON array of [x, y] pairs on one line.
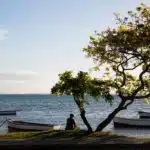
[[9, 112], [14, 126], [143, 114], [131, 122]]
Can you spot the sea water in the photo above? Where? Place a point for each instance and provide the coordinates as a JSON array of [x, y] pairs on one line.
[[42, 108]]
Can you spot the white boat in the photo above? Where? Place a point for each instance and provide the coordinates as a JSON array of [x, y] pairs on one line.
[[143, 114], [9, 111], [131, 122], [14, 126]]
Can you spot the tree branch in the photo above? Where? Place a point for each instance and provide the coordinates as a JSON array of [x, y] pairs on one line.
[[127, 104], [134, 66], [142, 82], [142, 97]]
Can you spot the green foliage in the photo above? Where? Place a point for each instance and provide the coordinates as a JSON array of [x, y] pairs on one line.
[[147, 101], [124, 49], [80, 87]]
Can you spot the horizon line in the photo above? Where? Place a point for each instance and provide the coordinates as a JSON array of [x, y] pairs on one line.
[[24, 93]]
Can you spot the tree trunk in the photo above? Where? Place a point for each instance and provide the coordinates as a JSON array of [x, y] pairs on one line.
[[85, 120], [110, 117], [82, 114]]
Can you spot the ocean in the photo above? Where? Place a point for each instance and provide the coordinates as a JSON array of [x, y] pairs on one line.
[[55, 110]]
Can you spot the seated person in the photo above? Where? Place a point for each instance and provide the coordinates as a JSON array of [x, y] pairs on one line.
[[70, 125]]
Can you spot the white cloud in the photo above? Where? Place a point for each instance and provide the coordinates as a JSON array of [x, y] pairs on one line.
[[3, 33], [18, 76], [27, 72]]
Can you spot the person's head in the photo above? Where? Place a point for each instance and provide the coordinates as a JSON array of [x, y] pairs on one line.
[[71, 115]]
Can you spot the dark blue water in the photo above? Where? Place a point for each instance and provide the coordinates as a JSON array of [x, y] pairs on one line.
[[55, 110]]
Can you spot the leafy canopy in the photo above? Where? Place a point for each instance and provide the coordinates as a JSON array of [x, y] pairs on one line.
[[125, 49], [80, 86]]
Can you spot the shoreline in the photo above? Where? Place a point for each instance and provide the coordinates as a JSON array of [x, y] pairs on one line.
[[68, 137], [73, 140]]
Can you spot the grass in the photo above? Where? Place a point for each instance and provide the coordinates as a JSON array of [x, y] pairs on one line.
[[25, 135], [100, 134], [17, 135], [50, 134], [53, 133], [75, 134]]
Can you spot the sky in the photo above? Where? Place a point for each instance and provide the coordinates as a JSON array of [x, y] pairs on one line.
[[41, 38]]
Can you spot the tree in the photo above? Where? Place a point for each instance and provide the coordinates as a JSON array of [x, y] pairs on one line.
[[80, 87], [121, 51]]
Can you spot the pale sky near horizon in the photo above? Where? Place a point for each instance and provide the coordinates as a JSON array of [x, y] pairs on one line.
[[41, 38]]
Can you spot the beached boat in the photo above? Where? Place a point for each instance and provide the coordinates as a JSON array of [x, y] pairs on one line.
[[143, 114], [131, 122], [14, 126], [9, 111]]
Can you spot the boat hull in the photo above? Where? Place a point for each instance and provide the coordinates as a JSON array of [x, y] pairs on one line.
[[13, 129], [7, 112], [121, 125], [144, 114], [14, 126], [131, 123]]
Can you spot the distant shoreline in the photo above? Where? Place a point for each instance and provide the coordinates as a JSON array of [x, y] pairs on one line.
[[25, 94]]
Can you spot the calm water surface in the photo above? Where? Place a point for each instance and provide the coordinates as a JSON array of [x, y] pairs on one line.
[[55, 110]]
